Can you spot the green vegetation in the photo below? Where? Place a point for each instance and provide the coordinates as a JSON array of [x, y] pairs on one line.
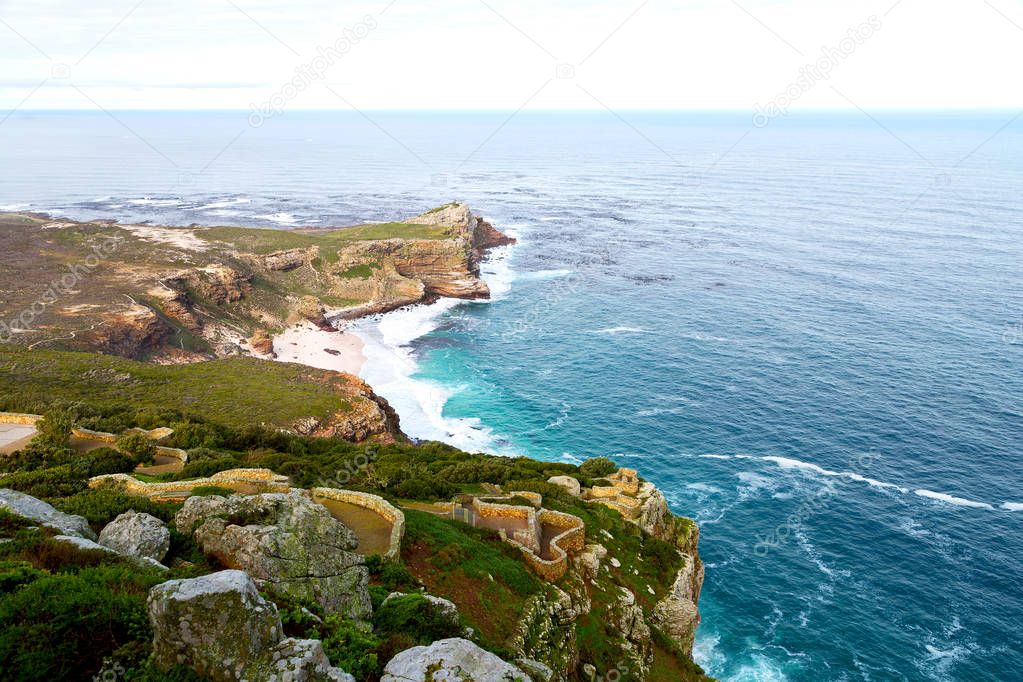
[[363, 271], [597, 467], [233, 391], [438, 209], [66, 611], [138, 446], [262, 241], [484, 576]]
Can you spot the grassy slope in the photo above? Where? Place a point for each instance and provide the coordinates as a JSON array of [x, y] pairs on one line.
[[232, 391], [255, 240]]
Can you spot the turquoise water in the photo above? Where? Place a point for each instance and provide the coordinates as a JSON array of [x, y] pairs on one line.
[[810, 336]]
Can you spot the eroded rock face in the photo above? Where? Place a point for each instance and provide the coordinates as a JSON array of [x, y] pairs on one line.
[[547, 634], [137, 534], [453, 659], [44, 514], [289, 544], [221, 627], [627, 618], [282, 261], [128, 333]]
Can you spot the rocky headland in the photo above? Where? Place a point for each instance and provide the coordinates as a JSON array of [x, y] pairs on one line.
[[498, 569]]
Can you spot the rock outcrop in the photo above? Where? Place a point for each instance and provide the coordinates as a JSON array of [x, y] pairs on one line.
[[368, 417], [44, 514], [137, 534], [457, 660], [289, 544], [570, 484], [89, 545], [222, 628]]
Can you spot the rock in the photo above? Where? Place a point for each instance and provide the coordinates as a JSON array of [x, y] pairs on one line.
[[626, 617], [137, 534], [44, 514], [537, 670], [131, 333], [587, 562], [288, 544], [450, 659], [677, 613], [301, 660], [221, 627], [546, 633], [282, 261], [568, 483], [83, 543], [261, 342]]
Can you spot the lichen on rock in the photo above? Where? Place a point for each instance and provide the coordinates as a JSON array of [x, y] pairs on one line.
[[289, 544]]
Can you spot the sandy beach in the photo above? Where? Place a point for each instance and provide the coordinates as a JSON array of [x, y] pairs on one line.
[[307, 344]]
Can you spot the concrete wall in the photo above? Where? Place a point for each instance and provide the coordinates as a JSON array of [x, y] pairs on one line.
[[375, 503]]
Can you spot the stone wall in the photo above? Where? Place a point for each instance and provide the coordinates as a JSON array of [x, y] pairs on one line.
[[265, 479], [19, 418], [374, 503]]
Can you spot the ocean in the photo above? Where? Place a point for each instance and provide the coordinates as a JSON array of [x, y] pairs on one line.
[[809, 335]]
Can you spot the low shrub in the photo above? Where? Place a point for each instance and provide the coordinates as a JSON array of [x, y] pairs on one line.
[[414, 616], [109, 461], [60, 481], [138, 446], [100, 506], [204, 468], [597, 467], [61, 627], [207, 490]]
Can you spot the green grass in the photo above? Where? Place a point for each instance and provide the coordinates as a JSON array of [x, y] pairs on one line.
[[363, 271], [261, 241], [233, 391], [485, 577]]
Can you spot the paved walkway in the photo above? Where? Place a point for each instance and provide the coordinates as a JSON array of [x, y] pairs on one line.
[[14, 437]]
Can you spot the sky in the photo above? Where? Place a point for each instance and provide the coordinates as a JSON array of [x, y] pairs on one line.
[[757, 55]]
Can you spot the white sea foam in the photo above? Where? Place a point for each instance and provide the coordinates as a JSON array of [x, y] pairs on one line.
[[952, 499], [656, 411], [704, 488], [14, 207], [715, 456], [280, 218], [788, 463], [622, 330], [391, 364], [224, 203], [1012, 506], [149, 201]]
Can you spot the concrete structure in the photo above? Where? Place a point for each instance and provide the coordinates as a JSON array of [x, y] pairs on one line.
[[546, 537], [376, 504]]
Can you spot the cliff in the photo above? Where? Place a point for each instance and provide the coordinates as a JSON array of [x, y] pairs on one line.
[[173, 295]]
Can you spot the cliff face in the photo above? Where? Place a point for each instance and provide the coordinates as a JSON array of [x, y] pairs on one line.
[[174, 295], [642, 617]]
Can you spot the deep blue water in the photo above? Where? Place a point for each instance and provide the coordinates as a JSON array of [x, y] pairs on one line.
[[809, 335]]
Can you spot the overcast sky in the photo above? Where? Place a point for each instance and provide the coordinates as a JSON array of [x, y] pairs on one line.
[[504, 54]]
